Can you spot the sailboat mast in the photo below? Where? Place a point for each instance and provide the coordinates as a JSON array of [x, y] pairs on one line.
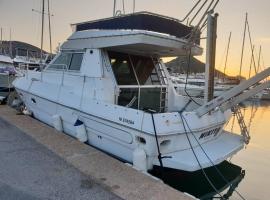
[[50, 31], [1, 41], [10, 44], [114, 7], [227, 53], [42, 29], [259, 60], [134, 6], [243, 46]]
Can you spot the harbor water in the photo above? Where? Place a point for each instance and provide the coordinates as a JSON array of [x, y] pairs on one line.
[[255, 159]]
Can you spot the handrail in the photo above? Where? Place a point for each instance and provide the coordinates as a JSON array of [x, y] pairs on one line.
[[235, 92], [63, 70]]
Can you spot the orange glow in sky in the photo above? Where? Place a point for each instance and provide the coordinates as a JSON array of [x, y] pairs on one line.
[[26, 24]]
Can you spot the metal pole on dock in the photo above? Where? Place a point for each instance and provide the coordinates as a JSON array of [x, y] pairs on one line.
[[210, 57]]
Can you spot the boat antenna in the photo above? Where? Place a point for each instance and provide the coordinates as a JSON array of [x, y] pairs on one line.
[[42, 29], [227, 53], [50, 31]]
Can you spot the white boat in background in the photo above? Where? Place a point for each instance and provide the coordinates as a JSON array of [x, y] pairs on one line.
[[266, 94], [109, 87], [194, 86], [7, 75]]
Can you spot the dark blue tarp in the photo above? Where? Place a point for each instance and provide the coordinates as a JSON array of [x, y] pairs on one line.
[[139, 21]]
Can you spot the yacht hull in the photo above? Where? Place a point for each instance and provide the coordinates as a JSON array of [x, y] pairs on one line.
[[121, 141]]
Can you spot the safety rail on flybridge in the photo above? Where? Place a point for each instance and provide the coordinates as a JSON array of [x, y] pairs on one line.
[[237, 94]]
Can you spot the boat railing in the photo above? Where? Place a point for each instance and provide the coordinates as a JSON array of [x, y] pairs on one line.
[[54, 68], [138, 96]]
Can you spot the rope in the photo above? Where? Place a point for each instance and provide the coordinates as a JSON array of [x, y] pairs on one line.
[[203, 171], [187, 72], [192, 9], [221, 175]]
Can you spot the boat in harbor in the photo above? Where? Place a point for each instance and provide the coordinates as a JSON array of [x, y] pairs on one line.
[[194, 86], [109, 87], [7, 76]]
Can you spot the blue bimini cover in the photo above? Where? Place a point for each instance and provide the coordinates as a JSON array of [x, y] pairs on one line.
[[140, 21]]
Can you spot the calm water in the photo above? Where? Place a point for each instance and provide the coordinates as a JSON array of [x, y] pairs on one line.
[[255, 159], [248, 171]]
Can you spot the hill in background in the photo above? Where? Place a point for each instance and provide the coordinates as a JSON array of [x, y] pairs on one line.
[[180, 65]]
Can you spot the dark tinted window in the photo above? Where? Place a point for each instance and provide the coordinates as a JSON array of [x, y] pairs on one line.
[[122, 69], [62, 62], [67, 61], [145, 70], [76, 61]]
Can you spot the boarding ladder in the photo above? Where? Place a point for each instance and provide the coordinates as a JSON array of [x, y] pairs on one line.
[[161, 79], [240, 118]]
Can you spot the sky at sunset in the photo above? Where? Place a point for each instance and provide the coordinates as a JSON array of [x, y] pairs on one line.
[[25, 24]]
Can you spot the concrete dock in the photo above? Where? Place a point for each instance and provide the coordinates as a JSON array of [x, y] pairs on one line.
[[37, 162]]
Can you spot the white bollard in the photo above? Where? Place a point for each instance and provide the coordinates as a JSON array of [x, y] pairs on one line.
[[80, 131], [139, 159], [57, 123]]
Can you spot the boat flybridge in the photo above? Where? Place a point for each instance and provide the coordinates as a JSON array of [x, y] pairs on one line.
[[109, 87]]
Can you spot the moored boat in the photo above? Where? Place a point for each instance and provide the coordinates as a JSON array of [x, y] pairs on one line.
[[109, 87]]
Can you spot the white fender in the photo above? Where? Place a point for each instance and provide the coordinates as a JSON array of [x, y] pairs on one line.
[[57, 123], [80, 131], [139, 159]]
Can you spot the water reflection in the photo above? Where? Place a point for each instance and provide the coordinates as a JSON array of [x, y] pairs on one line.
[[256, 157], [225, 177]]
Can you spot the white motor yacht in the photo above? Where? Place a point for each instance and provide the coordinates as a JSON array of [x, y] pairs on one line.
[[109, 87]]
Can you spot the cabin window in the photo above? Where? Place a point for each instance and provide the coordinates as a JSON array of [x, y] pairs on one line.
[[67, 61], [76, 61], [145, 70], [61, 62], [122, 69], [141, 86]]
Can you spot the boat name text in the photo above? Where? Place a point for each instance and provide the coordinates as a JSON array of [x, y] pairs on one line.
[[125, 120]]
